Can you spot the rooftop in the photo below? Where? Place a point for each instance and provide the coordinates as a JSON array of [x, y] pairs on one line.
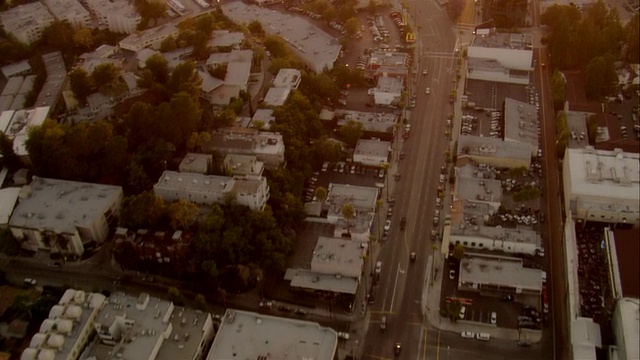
[[70, 10], [289, 78], [13, 85], [24, 17], [492, 147], [240, 56], [225, 38], [308, 279], [194, 162], [61, 206], [338, 256], [373, 148], [243, 164], [577, 127], [382, 58], [194, 182], [597, 172], [319, 49], [136, 40], [521, 122], [247, 335], [122, 8], [17, 128], [361, 197], [389, 85], [56, 75], [276, 96], [19, 67], [265, 116], [503, 234], [499, 271], [518, 41], [371, 121], [475, 189], [8, 200]]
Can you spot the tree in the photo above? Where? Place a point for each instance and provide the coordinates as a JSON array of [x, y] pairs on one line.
[[458, 251], [59, 35], [104, 76], [601, 76], [81, 83], [276, 46], [631, 42], [562, 133], [201, 302], [9, 245], [175, 296], [168, 44], [256, 29], [205, 25], [558, 90], [185, 78], [83, 39], [142, 211], [158, 66], [321, 194], [453, 310], [592, 128], [197, 140], [351, 132], [352, 25], [348, 212], [182, 214]]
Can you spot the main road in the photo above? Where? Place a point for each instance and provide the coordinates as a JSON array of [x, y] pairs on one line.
[[401, 283]]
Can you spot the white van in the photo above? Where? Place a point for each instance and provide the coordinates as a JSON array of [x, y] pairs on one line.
[[483, 336]]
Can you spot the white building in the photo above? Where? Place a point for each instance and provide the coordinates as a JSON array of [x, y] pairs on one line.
[[287, 78], [16, 69], [500, 57], [145, 327], [478, 237], [236, 164], [372, 152], [249, 335], [16, 125], [488, 273], [250, 191], [71, 11], [378, 124], [340, 257], [26, 22], [68, 329], [388, 90], [363, 200], [56, 77], [624, 321], [151, 38], [119, 16], [602, 185], [61, 216], [276, 96]]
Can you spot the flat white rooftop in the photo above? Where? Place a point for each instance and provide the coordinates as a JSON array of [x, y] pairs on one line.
[[361, 197], [372, 148], [499, 271], [247, 335], [371, 121]]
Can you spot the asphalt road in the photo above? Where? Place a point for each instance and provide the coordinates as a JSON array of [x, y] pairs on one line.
[[400, 287]]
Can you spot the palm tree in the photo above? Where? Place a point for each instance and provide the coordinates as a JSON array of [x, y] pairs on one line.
[[348, 212], [458, 251], [321, 194]]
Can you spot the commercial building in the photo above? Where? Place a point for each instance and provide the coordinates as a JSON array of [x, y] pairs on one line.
[[200, 189], [248, 335], [521, 123], [287, 78], [266, 146], [375, 125], [372, 152], [16, 125], [625, 329], [498, 275], [26, 22], [494, 152], [196, 163], [63, 216], [317, 49], [389, 64], [388, 90], [71, 11], [500, 57], [362, 198], [602, 185], [145, 327], [479, 237], [119, 16], [68, 328]]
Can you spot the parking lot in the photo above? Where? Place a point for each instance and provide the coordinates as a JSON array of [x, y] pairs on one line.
[[344, 173]]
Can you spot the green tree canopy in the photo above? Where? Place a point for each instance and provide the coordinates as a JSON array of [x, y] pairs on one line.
[[81, 83], [143, 211], [351, 132]]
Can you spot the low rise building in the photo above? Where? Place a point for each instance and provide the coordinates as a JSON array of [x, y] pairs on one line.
[[287, 78], [71, 11], [200, 189], [339, 257], [68, 328], [479, 237], [276, 96], [387, 63], [145, 327], [494, 152], [602, 185], [374, 124], [151, 248], [372, 152], [476, 190], [249, 335], [362, 198], [262, 119], [63, 216], [196, 163], [17, 124], [266, 146], [236, 164], [19, 68], [119, 16], [521, 123], [149, 38], [56, 78], [26, 22], [488, 274], [388, 90], [500, 57]]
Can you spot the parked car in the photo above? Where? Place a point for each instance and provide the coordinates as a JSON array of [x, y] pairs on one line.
[[397, 348], [452, 274], [403, 223], [468, 334], [428, 91], [483, 336], [494, 318], [30, 281], [412, 256], [463, 312], [387, 225]]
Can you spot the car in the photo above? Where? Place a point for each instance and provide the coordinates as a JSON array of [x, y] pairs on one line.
[[436, 220], [403, 223], [438, 202], [507, 297], [385, 236], [381, 174], [401, 155], [452, 274], [397, 176], [441, 179], [425, 72], [30, 281], [343, 335], [325, 166], [299, 311], [389, 211], [483, 336], [387, 225], [467, 334], [383, 322], [378, 267], [463, 312], [494, 318], [352, 170], [427, 91], [397, 348], [434, 234], [268, 304], [412, 256], [544, 276]]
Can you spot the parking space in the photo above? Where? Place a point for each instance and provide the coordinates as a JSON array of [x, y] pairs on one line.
[[344, 173]]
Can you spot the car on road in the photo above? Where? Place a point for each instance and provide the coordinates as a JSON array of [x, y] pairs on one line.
[[403, 223], [412, 256], [30, 281], [494, 318], [383, 322], [325, 166], [463, 312], [397, 348], [427, 91], [507, 297], [378, 267], [438, 202], [441, 179], [387, 225], [343, 335], [468, 334], [452, 274], [483, 336], [381, 174], [389, 211], [401, 155]]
